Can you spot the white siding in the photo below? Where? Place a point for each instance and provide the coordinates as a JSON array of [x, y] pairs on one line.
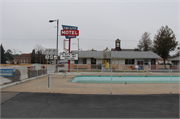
[[118, 61], [88, 61], [121, 61], [72, 61], [115, 61], [98, 61]]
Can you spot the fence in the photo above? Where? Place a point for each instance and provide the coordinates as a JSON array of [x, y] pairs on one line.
[[111, 80]]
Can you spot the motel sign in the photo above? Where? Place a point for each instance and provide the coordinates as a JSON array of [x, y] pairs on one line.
[[69, 32]]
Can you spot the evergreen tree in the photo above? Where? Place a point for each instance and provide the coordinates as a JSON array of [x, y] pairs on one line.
[[33, 56], [9, 55], [164, 42], [3, 56]]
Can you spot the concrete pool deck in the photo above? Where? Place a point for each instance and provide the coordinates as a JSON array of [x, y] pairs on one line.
[[63, 85]]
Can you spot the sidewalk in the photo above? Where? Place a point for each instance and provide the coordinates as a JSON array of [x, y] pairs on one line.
[[63, 85]]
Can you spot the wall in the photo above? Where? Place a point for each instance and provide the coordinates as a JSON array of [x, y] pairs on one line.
[[118, 61], [117, 64]]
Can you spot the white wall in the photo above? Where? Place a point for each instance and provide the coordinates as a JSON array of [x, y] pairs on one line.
[[98, 61], [72, 61], [118, 61], [88, 61]]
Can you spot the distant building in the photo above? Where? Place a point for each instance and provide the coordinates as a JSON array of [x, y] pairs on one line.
[[23, 58], [175, 62]]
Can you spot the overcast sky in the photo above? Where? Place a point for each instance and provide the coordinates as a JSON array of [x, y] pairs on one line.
[[26, 23]]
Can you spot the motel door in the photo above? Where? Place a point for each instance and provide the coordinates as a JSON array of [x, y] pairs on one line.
[[140, 64], [93, 63], [153, 64]]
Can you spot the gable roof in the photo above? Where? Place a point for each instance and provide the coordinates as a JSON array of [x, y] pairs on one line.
[[118, 54]]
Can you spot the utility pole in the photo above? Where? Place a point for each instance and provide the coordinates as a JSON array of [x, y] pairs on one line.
[[78, 44]]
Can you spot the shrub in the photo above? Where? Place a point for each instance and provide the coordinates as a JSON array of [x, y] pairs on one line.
[[16, 76]]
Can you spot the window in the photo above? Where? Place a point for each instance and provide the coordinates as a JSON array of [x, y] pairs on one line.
[[117, 45], [81, 61], [84, 61], [129, 61], [75, 61], [145, 62]]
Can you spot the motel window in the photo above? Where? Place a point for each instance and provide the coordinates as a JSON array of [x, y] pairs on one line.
[[80, 61], [75, 61], [145, 62], [84, 61], [129, 61]]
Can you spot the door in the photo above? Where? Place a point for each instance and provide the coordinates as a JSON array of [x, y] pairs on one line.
[[93, 63], [153, 64], [140, 65]]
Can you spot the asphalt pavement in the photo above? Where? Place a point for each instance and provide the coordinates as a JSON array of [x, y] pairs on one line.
[[55, 105]]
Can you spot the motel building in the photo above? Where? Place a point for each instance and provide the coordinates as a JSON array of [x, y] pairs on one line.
[[121, 59], [175, 62]]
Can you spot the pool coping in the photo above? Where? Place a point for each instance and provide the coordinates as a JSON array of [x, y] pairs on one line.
[[159, 74]]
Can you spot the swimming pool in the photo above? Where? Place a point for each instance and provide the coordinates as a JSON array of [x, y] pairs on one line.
[[127, 79]]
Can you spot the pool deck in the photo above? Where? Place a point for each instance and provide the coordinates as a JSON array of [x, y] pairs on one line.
[[64, 86]]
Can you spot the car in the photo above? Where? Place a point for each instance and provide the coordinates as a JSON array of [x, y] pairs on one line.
[[168, 64], [36, 66], [60, 64], [7, 62]]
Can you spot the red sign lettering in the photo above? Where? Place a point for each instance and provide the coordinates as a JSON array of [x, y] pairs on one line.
[[69, 32]]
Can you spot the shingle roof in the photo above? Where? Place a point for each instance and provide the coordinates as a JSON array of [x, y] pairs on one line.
[[117, 54], [175, 59], [134, 54], [89, 54]]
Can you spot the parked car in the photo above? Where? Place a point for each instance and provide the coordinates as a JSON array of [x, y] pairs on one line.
[[7, 62], [168, 64], [36, 66], [60, 64]]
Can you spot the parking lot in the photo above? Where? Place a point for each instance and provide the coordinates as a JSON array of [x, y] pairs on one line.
[[55, 105]]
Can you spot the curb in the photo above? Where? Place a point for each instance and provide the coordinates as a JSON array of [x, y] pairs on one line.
[[18, 82]]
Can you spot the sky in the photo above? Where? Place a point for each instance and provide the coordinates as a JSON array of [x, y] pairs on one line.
[[25, 24]]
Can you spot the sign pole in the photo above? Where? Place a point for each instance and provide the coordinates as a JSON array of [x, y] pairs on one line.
[[69, 52]]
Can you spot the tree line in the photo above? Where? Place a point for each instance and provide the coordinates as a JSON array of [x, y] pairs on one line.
[[6, 55], [163, 43], [36, 56]]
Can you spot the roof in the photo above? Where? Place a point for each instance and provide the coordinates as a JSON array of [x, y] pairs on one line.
[[113, 49], [175, 59], [118, 54], [89, 54], [134, 54]]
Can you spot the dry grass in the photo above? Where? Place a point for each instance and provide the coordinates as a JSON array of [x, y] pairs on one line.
[[15, 64]]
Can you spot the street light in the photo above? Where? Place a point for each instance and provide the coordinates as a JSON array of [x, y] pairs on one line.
[[57, 37]]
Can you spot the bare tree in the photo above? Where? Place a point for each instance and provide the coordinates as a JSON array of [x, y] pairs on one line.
[[38, 48], [145, 43]]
